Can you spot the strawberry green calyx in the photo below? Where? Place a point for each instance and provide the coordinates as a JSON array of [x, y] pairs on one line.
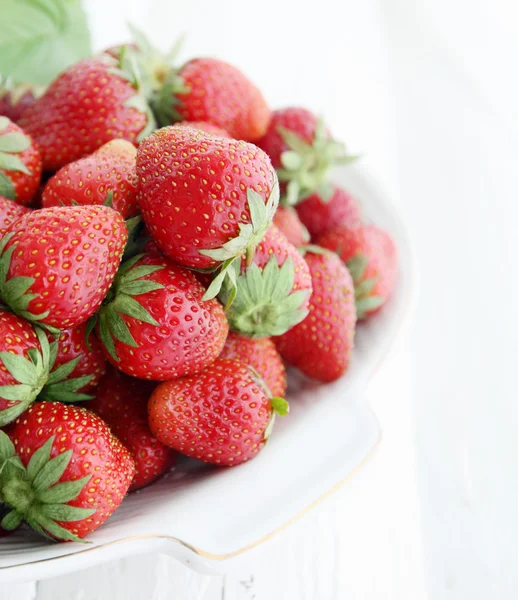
[[35, 379], [281, 408], [121, 301], [264, 304], [31, 374], [11, 145], [250, 234], [127, 68], [305, 167], [165, 100], [34, 494], [363, 288]]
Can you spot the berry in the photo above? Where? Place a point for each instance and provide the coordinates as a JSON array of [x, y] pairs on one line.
[[273, 292], [154, 323], [371, 257], [121, 401], [303, 151], [66, 472], [222, 416], [288, 222], [92, 102], [57, 264], [260, 354], [205, 200], [208, 89], [15, 98], [9, 212], [204, 126], [20, 163], [320, 216], [107, 174], [321, 345]]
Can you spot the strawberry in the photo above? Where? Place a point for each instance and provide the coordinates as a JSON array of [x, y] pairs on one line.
[[302, 150], [204, 126], [108, 173], [121, 401], [154, 323], [260, 354], [206, 200], [273, 292], [288, 222], [31, 367], [57, 264], [20, 163], [89, 104], [9, 212], [320, 215], [15, 98], [64, 472], [85, 350], [208, 89], [222, 416], [371, 257], [321, 345]]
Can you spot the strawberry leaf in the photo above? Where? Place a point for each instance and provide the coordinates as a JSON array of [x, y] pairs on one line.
[[6, 187]]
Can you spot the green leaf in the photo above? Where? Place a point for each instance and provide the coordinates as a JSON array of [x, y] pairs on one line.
[[14, 142], [108, 201], [141, 286], [280, 406], [140, 38], [6, 187], [12, 520], [127, 305], [63, 512], [52, 471], [40, 458], [365, 287], [106, 336], [40, 38], [356, 266], [11, 162], [64, 491], [10, 414], [139, 272], [119, 328], [16, 392], [4, 121], [20, 368], [90, 326], [6, 447], [15, 288], [63, 371], [60, 533], [367, 304], [291, 160], [257, 209]]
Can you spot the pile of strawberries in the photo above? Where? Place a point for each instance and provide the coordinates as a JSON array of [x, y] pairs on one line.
[[154, 282]]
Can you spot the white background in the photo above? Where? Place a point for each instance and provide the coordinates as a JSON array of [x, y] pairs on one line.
[[427, 90]]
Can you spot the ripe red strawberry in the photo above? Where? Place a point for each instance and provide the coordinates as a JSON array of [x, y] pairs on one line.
[[204, 199], [321, 345], [9, 212], [154, 323], [20, 163], [260, 354], [204, 126], [89, 104], [273, 292], [76, 472], [121, 401], [371, 257], [57, 264], [221, 416], [302, 150], [208, 89], [15, 98], [88, 356], [288, 222], [320, 216], [109, 172]]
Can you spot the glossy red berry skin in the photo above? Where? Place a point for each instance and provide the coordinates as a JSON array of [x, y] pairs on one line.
[[190, 334], [296, 119], [220, 94], [73, 254], [9, 212], [192, 190], [341, 210], [95, 452], [121, 401], [219, 416], [321, 345], [83, 109], [260, 354], [204, 126], [89, 180]]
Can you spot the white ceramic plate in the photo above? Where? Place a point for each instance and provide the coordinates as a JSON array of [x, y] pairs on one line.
[[207, 517]]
